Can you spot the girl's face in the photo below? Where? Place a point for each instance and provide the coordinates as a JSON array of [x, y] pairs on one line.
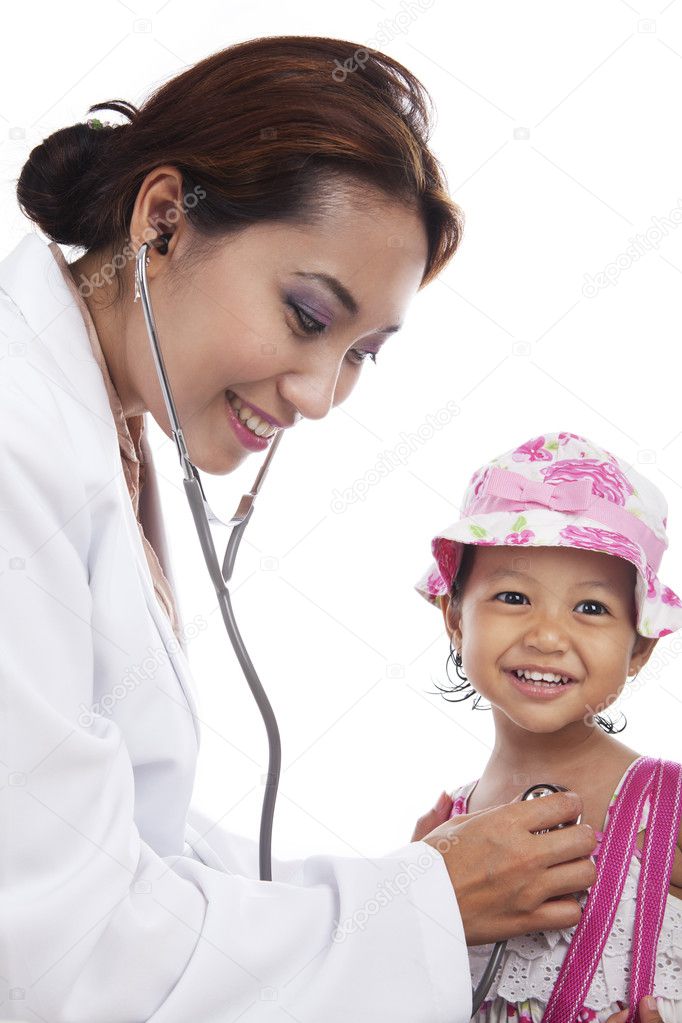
[[283, 316], [536, 608]]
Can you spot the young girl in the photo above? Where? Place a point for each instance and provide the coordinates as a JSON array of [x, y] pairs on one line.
[[550, 596]]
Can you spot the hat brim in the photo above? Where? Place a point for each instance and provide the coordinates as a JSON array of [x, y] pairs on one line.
[[659, 609]]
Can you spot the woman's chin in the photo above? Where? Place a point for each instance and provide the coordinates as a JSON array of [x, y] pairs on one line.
[[220, 463]]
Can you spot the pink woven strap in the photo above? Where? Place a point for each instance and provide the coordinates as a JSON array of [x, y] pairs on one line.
[[617, 848], [656, 868]]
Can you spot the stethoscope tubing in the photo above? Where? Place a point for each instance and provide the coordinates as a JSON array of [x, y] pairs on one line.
[[202, 515]]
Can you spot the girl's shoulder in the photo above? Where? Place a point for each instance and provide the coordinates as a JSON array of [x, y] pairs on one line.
[[460, 797], [676, 876]]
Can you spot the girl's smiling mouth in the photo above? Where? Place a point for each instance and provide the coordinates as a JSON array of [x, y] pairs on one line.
[[537, 688]]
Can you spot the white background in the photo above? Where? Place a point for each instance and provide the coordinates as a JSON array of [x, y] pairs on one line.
[[558, 125]]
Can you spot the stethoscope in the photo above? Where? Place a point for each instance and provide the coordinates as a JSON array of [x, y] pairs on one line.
[[203, 515], [481, 990]]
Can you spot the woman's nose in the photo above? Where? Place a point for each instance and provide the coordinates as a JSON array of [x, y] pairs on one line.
[[314, 392]]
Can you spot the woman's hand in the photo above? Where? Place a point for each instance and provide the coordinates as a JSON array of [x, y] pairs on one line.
[[512, 871], [647, 1014]]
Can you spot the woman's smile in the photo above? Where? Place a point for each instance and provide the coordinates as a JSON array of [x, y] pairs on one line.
[[248, 435]]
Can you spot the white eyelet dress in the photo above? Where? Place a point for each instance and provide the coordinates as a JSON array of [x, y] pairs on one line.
[[524, 980]]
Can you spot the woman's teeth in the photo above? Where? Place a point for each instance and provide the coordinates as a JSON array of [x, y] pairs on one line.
[[250, 418], [542, 679]]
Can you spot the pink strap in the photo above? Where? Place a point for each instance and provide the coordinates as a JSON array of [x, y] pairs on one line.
[[591, 934], [658, 856]]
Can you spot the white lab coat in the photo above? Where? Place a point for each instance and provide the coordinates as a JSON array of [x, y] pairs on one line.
[[113, 907]]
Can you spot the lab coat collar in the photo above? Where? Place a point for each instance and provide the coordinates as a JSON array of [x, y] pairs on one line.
[[32, 278]]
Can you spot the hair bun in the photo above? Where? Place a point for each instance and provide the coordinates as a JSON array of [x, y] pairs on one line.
[[57, 184]]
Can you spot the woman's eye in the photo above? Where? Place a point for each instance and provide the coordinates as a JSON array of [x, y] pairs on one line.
[[307, 322], [515, 593], [312, 326], [362, 356]]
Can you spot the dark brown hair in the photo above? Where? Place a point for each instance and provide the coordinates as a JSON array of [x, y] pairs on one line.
[[268, 129], [464, 570]]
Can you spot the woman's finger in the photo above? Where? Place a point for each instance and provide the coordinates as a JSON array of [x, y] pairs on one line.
[[648, 1013], [439, 814]]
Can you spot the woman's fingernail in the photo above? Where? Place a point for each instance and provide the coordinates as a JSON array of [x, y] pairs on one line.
[[650, 1002]]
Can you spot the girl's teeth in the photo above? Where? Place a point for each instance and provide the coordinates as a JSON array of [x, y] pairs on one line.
[[537, 678]]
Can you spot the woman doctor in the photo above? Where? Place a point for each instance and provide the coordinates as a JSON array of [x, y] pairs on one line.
[[304, 210]]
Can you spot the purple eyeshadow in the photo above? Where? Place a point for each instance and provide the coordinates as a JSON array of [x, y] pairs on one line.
[[309, 302]]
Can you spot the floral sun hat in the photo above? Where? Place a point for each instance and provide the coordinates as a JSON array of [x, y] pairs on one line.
[[561, 490]]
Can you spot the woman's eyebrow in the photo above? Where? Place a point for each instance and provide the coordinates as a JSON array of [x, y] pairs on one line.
[[344, 296]]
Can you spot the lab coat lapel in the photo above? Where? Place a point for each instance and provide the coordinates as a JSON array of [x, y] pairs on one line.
[[33, 280]]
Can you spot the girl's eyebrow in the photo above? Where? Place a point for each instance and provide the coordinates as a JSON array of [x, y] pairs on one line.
[[500, 572], [344, 296]]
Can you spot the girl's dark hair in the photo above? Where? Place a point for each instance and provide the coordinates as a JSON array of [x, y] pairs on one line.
[[268, 129], [464, 687]]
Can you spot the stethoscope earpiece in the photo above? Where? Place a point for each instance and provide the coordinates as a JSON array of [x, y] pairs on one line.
[[161, 244]]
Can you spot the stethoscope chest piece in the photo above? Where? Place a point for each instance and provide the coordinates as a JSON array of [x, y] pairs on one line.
[[546, 789]]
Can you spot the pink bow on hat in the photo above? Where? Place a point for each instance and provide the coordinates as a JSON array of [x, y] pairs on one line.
[[503, 490], [568, 495]]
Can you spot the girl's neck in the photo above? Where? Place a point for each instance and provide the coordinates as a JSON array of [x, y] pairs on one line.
[[567, 757]]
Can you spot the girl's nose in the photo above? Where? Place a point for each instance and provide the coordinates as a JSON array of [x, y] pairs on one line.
[[546, 634]]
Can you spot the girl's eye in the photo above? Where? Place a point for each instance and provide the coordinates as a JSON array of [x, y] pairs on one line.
[[505, 592], [515, 593], [313, 326], [595, 603]]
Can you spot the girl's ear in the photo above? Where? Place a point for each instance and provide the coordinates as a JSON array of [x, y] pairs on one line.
[[642, 651], [451, 619], [444, 601]]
